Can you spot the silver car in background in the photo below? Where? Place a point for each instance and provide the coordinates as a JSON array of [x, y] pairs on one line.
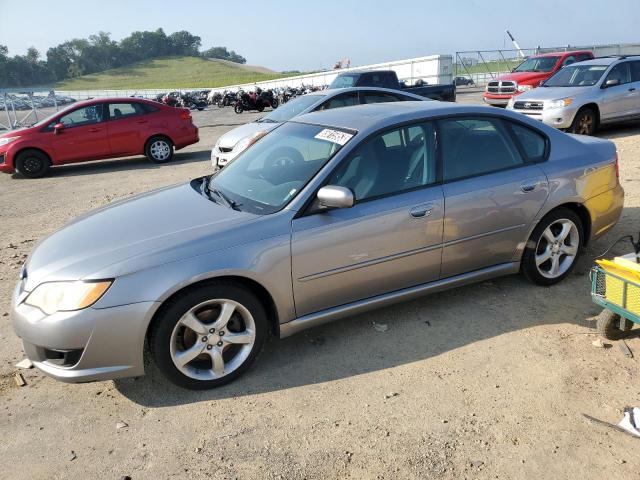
[[584, 95], [236, 141], [372, 205]]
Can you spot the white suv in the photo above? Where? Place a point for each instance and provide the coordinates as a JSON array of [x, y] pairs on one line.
[[583, 95]]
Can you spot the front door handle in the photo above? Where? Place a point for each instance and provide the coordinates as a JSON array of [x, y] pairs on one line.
[[529, 186], [420, 211], [94, 130], [141, 121]]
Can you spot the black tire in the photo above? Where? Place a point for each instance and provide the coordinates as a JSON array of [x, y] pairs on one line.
[[585, 122], [160, 335], [261, 108], [32, 163], [529, 265], [275, 104], [608, 325], [159, 149], [237, 108]]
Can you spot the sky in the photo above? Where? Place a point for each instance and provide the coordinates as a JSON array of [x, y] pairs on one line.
[[310, 35]]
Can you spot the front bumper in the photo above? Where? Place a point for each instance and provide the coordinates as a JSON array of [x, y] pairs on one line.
[[5, 165], [554, 117], [85, 345]]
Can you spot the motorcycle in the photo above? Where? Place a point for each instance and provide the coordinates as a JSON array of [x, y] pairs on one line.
[[258, 100], [193, 101], [227, 99]]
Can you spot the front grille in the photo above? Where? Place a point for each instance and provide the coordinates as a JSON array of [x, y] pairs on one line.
[[523, 105], [501, 87], [225, 149]]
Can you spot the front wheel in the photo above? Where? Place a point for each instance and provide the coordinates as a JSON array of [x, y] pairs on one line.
[[32, 163], [275, 104], [584, 122], [209, 336], [553, 248], [611, 326], [237, 108], [159, 149]]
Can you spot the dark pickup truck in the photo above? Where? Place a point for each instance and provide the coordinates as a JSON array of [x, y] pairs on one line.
[[389, 79]]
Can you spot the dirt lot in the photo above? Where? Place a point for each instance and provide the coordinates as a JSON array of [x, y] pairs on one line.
[[486, 381]]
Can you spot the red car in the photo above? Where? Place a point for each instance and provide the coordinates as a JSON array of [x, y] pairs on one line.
[[529, 74], [98, 129]]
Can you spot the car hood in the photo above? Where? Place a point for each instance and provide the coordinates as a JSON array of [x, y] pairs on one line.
[[17, 132], [157, 227], [552, 93], [229, 139], [525, 77]]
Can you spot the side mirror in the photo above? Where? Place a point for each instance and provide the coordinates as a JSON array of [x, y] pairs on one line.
[[611, 82], [58, 128], [332, 196]]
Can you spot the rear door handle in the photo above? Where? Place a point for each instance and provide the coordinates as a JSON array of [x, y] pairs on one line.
[[420, 211]]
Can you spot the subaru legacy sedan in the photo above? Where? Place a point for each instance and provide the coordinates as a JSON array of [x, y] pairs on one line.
[[95, 130], [325, 217], [236, 141]]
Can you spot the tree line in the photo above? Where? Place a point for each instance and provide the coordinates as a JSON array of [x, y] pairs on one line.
[[82, 56]]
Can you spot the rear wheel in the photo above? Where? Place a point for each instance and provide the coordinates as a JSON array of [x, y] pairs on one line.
[[209, 336], [584, 123], [159, 149], [553, 248], [32, 163]]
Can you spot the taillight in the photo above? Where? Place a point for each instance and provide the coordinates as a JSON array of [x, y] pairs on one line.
[[185, 115], [617, 166]]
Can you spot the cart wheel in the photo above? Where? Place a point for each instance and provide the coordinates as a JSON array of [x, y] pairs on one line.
[[608, 325]]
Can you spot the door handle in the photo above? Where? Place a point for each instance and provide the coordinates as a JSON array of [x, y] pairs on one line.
[[632, 89], [421, 210], [94, 130], [530, 185], [141, 121]]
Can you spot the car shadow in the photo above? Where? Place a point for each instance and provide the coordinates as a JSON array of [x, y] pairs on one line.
[[620, 130], [405, 333], [123, 164]]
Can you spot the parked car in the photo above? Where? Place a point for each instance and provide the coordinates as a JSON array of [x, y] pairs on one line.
[[389, 79], [234, 142], [582, 96], [529, 74], [95, 130], [327, 216], [463, 81]]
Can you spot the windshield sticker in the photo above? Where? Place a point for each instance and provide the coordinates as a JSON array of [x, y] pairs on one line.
[[335, 136]]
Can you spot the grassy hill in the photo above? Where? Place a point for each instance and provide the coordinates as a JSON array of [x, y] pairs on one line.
[[171, 72]]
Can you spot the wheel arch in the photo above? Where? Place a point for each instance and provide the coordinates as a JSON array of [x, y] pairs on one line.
[[25, 148], [154, 135], [580, 210], [593, 106], [255, 287]]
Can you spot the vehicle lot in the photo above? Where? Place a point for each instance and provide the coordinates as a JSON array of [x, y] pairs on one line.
[[486, 381]]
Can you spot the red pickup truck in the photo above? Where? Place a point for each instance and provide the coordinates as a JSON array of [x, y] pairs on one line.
[[529, 74]]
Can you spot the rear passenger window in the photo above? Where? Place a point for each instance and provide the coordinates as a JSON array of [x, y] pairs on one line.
[[475, 146], [124, 110], [378, 97], [533, 144]]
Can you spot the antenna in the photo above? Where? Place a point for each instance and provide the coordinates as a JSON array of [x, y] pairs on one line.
[[515, 44]]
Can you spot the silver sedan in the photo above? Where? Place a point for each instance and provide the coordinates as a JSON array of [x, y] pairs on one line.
[[325, 217]]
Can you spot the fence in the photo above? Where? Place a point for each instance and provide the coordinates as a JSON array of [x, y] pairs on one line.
[[484, 65]]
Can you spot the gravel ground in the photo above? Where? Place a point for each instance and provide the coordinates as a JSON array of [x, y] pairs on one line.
[[485, 381]]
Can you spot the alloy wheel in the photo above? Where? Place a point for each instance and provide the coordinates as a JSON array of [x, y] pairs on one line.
[[32, 164], [212, 339], [585, 126], [557, 248]]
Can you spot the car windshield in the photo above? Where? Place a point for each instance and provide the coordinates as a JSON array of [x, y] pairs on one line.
[[267, 176], [576, 76], [291, 109], [344, 81], [537, 64]]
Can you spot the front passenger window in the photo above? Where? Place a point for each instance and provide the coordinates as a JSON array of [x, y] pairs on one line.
[[475, 146], [81, 116], [344, 100], [392, 162], [621, 73]]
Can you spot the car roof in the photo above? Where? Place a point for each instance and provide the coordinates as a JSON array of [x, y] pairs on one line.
[[564, 54], [599, 61], [337, 91], [371, 117]]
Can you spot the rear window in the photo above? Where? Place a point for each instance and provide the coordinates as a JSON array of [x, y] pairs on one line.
[[533, 143]]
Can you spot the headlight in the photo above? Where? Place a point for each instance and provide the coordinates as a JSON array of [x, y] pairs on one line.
[[246, 142], [52, 297], [7, 140], [563, 102], [524, 88]]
